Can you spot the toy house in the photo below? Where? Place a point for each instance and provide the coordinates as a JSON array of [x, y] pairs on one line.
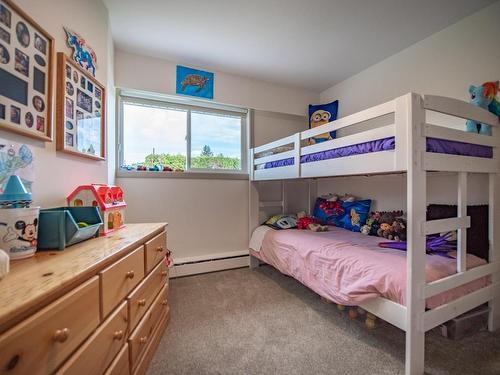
[[108, 198]]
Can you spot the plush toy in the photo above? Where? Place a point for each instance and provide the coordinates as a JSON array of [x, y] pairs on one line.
[[367, 228], [484, 96], [385, 221], [308, 222], [398, 230]]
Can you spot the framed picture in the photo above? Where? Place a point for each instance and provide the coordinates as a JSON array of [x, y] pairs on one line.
[[194, 82], [26, 61], [80, 111]]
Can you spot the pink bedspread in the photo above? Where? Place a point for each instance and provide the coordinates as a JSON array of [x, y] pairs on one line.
[[349, 268]]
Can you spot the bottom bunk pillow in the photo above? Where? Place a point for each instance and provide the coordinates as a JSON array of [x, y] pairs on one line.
[[282, 222], [343, 214], [328, 211], [355, 214]]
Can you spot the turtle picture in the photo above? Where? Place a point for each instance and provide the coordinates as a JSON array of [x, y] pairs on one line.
[[194, 80]]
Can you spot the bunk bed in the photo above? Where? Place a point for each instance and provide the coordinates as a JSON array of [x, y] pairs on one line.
[[412, 143]]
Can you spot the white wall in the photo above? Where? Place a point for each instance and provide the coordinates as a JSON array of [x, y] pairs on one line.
[[446, 64], [206, 217], [58, 173], [158, 75]]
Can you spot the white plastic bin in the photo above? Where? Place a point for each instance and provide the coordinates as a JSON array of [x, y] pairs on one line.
[[19, 231]]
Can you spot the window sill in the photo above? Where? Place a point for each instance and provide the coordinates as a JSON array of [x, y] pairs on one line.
[[189, 175]]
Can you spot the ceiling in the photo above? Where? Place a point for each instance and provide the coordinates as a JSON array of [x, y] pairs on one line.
[[311, 44]]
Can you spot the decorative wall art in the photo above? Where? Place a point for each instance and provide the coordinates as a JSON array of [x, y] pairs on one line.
[[194, 82], [26, 54], [80, 111], [83, 54]]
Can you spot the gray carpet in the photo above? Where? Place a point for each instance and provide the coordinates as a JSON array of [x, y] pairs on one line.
[[261, 322]]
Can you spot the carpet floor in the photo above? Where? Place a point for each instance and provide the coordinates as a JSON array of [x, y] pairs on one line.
[[261, 322]]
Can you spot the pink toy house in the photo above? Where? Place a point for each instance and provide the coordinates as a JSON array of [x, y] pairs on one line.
[[108, 198]]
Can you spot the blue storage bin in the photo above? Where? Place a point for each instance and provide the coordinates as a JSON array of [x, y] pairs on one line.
[[58, 228]]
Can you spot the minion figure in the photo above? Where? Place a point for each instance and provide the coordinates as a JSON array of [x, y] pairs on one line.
[[320, 115]]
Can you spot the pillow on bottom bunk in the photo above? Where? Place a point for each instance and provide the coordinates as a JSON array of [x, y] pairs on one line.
[[328, 211], [282, 222], [355, 214], [348, 215]]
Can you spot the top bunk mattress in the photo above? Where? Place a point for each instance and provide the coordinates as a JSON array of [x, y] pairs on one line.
[[436, 145], [350, 268]]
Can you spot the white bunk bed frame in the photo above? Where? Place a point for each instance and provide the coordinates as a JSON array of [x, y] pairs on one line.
[[410, 129]]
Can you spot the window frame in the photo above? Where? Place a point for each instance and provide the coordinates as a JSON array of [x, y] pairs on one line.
[[188, 104]]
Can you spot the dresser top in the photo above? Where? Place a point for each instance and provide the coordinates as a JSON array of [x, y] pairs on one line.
[[37, 281]]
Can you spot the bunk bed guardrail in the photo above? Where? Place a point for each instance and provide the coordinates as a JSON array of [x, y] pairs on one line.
[[394, 160]]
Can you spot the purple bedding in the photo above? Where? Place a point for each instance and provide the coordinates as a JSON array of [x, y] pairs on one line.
[[437, 145]]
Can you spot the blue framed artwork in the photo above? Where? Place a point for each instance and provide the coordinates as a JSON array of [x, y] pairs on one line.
[[194, 82]]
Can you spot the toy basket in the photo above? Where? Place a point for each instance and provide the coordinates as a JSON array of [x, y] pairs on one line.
[[58, 227]]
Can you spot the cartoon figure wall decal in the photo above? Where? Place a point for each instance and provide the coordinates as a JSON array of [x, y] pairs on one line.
[[83, 54]]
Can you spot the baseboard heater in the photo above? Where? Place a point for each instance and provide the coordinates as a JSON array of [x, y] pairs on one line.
[[209, 265]]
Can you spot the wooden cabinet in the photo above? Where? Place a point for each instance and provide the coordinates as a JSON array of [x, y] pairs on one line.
[[74, 308], [142, 297], [120, 278], [143, 334], [120, 365], [99, 350], [156, 249], [39, 344]]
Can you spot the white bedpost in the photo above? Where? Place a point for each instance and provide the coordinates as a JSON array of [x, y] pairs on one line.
[[253, 204], [415, 263], [253, 215], [494, 253], [462, 232]]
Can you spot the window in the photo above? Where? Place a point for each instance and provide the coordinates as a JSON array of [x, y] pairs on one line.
[[158, 133]]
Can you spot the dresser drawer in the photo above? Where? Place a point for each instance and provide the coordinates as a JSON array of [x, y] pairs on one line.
[[156, 249], [120, 365], [142, 297], [120, 278], [142, 335], [39, 344], [95, 355]]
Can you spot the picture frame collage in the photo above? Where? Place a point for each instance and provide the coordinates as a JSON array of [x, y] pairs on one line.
[[26, 62], [80, 111]]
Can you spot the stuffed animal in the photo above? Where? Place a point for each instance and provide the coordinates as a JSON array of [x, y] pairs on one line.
[[308, 222], [367, 228], [398, 230], [386, 220], [484, 96]]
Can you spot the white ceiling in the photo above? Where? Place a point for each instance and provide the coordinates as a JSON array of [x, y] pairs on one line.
[[311, 44]]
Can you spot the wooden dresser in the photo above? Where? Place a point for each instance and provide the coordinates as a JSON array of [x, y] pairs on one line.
[[98, 307]]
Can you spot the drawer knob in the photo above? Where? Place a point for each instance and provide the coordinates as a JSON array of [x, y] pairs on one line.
[[118, 335], [164, 302], [130, 274], [143, 339], [142, 302], [61, 335], [159, 249], [164, 273]]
